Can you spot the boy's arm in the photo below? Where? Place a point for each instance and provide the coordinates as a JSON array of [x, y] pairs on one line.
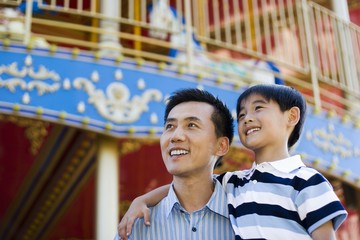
[[324, 232], [139, 208]]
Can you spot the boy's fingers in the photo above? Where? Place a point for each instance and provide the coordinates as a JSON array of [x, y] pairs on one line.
[[122, 229], [147, 216], [129, 224]]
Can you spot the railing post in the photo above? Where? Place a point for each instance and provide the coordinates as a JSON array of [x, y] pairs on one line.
[[109, 43], [311, 54], [189, 33], [340, 8], [28, 17]]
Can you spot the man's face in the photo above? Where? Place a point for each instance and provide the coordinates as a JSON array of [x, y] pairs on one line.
[[189, 144]]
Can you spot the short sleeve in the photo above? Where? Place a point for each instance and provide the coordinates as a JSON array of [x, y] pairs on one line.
[[317, 204]]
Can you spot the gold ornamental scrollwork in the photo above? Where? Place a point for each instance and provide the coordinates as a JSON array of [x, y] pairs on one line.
[[35, 130], [133, 145]]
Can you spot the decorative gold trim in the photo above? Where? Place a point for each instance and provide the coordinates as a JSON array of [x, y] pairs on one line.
[[132, 145], [36, 131]]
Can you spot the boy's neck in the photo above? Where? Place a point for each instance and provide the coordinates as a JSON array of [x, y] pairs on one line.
[[270, 155]]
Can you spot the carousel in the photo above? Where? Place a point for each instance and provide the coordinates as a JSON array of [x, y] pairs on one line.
[[80, 120]]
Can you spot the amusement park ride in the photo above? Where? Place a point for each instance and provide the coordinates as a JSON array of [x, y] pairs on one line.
[[83, 87]]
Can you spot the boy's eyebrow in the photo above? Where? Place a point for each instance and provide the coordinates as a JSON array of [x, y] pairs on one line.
[[260, 101], [255, 102]]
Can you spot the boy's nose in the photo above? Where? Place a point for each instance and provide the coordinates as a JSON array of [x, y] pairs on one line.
[[248, 119]]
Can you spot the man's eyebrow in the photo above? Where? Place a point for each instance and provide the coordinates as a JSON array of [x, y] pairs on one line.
[[191, 118], [170, 120]]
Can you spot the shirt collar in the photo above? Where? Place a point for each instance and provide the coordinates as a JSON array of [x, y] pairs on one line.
[[171, 200], [287, 165], [217, 197]]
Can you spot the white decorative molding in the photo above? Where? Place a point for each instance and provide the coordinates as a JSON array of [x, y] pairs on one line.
[[118, 75], [331, 141], [141, 84], [113, 102], [95, 76], [116, 105], [26, 98], [36, 81], [12, 83], [43, 87], [81, 107], [154, 118], [66, 84]]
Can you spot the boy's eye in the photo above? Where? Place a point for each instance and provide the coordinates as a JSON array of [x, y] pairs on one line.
[[241, 115], [168, 126], [258, 107]]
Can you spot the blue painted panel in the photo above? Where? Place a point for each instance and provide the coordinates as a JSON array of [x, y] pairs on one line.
[[64, 82], [330, 144], [326, 143]]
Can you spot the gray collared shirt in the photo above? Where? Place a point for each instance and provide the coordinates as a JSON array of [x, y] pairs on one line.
[[169, 220]]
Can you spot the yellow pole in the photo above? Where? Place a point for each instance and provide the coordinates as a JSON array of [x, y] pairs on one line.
[[201, 17], [137, 29], [95, 24], [252, 24]]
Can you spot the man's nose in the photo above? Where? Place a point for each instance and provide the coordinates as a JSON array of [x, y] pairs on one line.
[[178, 135]]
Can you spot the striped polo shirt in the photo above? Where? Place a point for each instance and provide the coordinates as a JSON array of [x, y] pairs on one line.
[[280, 200], [170, 221]]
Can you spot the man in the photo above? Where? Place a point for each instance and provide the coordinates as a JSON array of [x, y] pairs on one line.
[[197, 133]]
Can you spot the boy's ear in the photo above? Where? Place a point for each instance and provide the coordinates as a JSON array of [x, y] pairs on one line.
[[293, 116], [223, 147]]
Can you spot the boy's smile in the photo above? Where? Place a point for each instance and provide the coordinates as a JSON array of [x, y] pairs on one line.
[[261, 124], [252, 130]]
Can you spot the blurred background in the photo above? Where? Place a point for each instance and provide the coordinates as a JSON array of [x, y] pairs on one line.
[[84, 83]]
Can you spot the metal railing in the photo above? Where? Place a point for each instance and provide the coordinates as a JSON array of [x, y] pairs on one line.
[[240, 41]]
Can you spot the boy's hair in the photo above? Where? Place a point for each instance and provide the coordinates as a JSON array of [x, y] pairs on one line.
[[286, 97], [221, 117]]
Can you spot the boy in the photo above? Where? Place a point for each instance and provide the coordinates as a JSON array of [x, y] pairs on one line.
[[279, 197]]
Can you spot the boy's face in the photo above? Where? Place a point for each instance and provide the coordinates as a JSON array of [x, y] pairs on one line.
[[262, 124], [189, 143]]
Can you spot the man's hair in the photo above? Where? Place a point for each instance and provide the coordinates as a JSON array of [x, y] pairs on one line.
[[286, 97], [221, 117]]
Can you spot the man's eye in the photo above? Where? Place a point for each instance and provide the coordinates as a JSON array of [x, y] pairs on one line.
[[168, 126], [192, 125]]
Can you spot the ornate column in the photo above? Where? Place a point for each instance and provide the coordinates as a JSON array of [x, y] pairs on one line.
[[340, 7], [109, 40], [107, 189]]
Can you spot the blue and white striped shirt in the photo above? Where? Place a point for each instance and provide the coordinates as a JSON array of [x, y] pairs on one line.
[[170, 221], [280, 200]]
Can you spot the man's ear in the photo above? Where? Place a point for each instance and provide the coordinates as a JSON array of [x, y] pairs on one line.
[[223, 146], [293, 116]]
